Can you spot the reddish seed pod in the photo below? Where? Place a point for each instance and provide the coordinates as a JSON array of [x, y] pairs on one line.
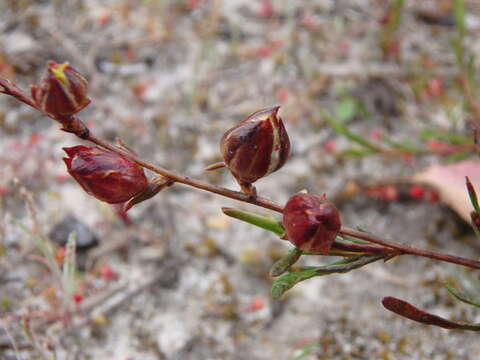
[[257, 146], [311, 222], [62, 92], [108, 176]]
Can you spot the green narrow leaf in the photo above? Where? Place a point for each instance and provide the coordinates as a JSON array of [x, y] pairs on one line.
[[357, 152], [463, 297], [459, 14], [404, 146], [346, 109], [458, 46], [472, 194], [457, 139], [45, 249], [351, 240], [458, 156], [452, 138], [69, 267], [267, 222], [466, 281], [458, 50], [397, 14], [475, 223], [343, 130], [39, 242], [285, 282], [426, 134], [285, 262], [472, 73]]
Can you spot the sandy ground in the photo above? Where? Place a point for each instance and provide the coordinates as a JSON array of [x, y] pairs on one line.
[[169, 77]]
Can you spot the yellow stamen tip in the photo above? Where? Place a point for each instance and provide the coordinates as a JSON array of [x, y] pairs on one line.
[[59, 72]]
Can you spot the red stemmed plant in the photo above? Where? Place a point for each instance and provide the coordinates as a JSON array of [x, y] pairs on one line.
[[254, 148]]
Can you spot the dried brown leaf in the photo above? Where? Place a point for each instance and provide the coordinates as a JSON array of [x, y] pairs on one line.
[[407, 310], [449, 181]]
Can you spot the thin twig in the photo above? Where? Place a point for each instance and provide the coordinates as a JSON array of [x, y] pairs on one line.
[[255, 200], [11, 89], [265, 203], [409, 249], [79, 129]]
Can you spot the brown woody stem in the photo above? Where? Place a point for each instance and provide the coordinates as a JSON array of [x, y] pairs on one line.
[[365, 248], [78, 129], [405, 249], [265, 203], [11, 89], [255, 200]]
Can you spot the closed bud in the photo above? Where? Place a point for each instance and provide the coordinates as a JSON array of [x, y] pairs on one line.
[[256, 147], [108, 176], [311, 222], [62, 92]]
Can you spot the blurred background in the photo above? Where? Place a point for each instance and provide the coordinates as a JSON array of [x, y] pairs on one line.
[[176, 279]]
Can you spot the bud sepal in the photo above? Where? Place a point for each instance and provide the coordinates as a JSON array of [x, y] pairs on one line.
[[155, 185], [267, 222]]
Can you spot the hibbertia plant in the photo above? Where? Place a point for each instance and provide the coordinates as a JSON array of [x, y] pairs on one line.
[[255, 148]]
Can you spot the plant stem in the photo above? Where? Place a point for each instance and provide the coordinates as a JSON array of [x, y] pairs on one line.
[[409, 249], [79, 129], [268, 204], [255, 200], [365, 248], [11, 89]]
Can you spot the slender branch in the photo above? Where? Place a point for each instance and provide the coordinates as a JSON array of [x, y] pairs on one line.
[[409, 249], [255, 200], [364, 248], [265, 203], [11, 89], [78, 128]]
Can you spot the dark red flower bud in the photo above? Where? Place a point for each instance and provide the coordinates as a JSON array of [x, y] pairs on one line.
[[108, 176], [257, 146], [311, 222], [62, 91]]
